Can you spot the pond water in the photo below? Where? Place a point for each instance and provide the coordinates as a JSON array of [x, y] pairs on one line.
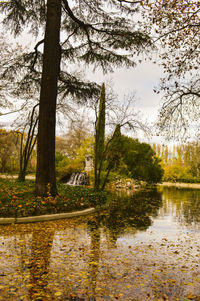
[[146, 246]]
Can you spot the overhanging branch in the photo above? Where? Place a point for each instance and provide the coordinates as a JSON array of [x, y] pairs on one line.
[[36, 54]]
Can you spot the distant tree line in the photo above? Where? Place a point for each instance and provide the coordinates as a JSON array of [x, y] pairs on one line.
[[181, 162]]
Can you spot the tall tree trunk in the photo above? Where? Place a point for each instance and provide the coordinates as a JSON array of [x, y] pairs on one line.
[[45, 174]]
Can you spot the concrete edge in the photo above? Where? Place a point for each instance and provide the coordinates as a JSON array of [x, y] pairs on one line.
[[41, 218]]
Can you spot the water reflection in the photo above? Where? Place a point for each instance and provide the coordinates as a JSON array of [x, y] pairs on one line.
[[183, 204], [129, 213], [84, 259], [41, 245], [94, 258]]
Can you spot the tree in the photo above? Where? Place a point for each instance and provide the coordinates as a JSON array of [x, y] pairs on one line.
[[93, 33], [106, 151], [27, 142], [141, 161], [179, 114], [107, 148], [45, 173], [99, 146], [175, 25], [113, 154], [77, 132], [73, 147], [184, 164], [66, 164]]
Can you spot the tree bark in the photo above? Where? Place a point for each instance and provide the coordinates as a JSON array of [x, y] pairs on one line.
[[22, 176], [45, 174]]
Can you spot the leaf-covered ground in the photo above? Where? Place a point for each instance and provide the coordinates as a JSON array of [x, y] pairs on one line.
[[66, 261], [17, 199]]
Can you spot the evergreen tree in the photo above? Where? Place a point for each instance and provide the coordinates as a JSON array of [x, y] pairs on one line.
[[93, 32], [99, 140], [113, 154]]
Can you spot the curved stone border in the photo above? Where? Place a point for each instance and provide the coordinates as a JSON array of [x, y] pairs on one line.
[[42, 218]]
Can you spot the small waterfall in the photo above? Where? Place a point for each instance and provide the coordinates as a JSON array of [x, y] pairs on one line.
[[77, 178]]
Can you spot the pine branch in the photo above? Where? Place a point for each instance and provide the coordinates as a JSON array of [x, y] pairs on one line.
[[36, 54]]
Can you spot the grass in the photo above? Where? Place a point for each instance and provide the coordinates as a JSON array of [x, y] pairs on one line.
[[17, 199]]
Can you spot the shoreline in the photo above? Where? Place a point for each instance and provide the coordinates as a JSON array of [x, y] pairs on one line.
[[181, 185], [46, 217], [176, 184]]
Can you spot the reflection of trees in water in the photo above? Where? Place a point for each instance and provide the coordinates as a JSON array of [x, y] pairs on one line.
[[133, 211], [41, 245], [185, 203], [94, 258], [29, 249]]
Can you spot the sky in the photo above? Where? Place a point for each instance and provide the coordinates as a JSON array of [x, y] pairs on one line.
[[142, 80]]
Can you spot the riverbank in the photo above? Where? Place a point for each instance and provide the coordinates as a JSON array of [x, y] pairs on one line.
[[181, 185]]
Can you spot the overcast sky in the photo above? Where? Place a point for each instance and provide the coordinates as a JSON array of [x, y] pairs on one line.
[[142, 79]]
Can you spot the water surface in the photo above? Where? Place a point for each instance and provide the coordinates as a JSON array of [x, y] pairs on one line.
[[144, 247]]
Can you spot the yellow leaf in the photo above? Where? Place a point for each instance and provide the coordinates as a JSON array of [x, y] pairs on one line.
[[197, 279], [172, 280], [29, 285], [58, 294], [94, 263]]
